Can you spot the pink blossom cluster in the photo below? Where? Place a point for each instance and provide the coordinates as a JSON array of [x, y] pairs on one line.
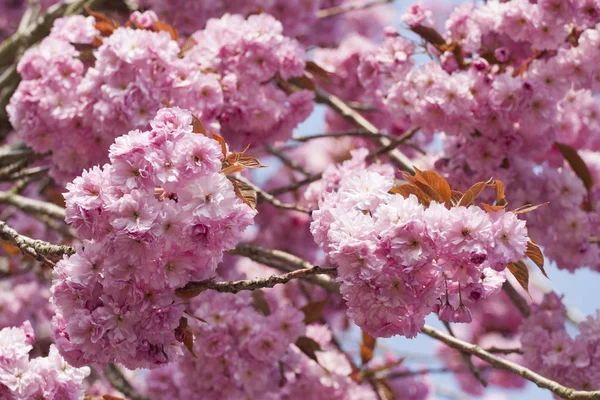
[[22, 378], [238, 350], [158, 216], [397, 259], [299, 19], [508, 81], [247, 56], [551, 351], [23, 297], [75, 106]]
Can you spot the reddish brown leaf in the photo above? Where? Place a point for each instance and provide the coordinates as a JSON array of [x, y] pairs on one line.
[[160, 26], [195, 317], [97, 42], [184, 334], [250, 162], [535, 254], [188, 294], [232, 169], [106, 28], [260, 303], [222, 142], [521, 273], [110, 397], [304, 82], [528, 207], [456, 196], [197, 126], [318, 71], [308, 346], [474, 191], [439, 184], [407, 189], [313, 311], [10, 249], [488, 208], [187, 46], [576, 163], [367, 347], [98, 16], [429, 34], [500, 196], [244, 192]]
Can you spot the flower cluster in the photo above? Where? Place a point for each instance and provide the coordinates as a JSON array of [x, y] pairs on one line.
[[397, 258], [23, 298], [247, 56], [158, 216], [48, 377], [299, 20], [75, 102], [550, 350], [237, 348]]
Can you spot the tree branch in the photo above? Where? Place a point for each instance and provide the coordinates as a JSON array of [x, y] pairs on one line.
[[353, 132], [118, 381], [32, 206], [253, 284], [333, 11], [309, 179], [467, 357], [358, 120], [284, 262], [498, 362], [286, 160], [37, 249]]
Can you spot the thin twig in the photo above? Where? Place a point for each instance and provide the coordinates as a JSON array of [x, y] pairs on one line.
[[269, 198], [395, 142], [498, 350], [346, 7], [345, 111], [467, 357], [296, 185], [498, 362], [253, 284], [32, 206], [284, 261], [118, 381], [353, 132], [286, 160]]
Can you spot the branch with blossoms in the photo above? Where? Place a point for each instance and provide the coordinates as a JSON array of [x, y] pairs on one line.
[[194, 288]]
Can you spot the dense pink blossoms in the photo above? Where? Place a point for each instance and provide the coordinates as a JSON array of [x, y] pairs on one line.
[[396, 258], [48, 377], [75, 107], [158, 216], [550, 350]]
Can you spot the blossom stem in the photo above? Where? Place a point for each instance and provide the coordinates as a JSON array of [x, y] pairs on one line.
[[498, 362]]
